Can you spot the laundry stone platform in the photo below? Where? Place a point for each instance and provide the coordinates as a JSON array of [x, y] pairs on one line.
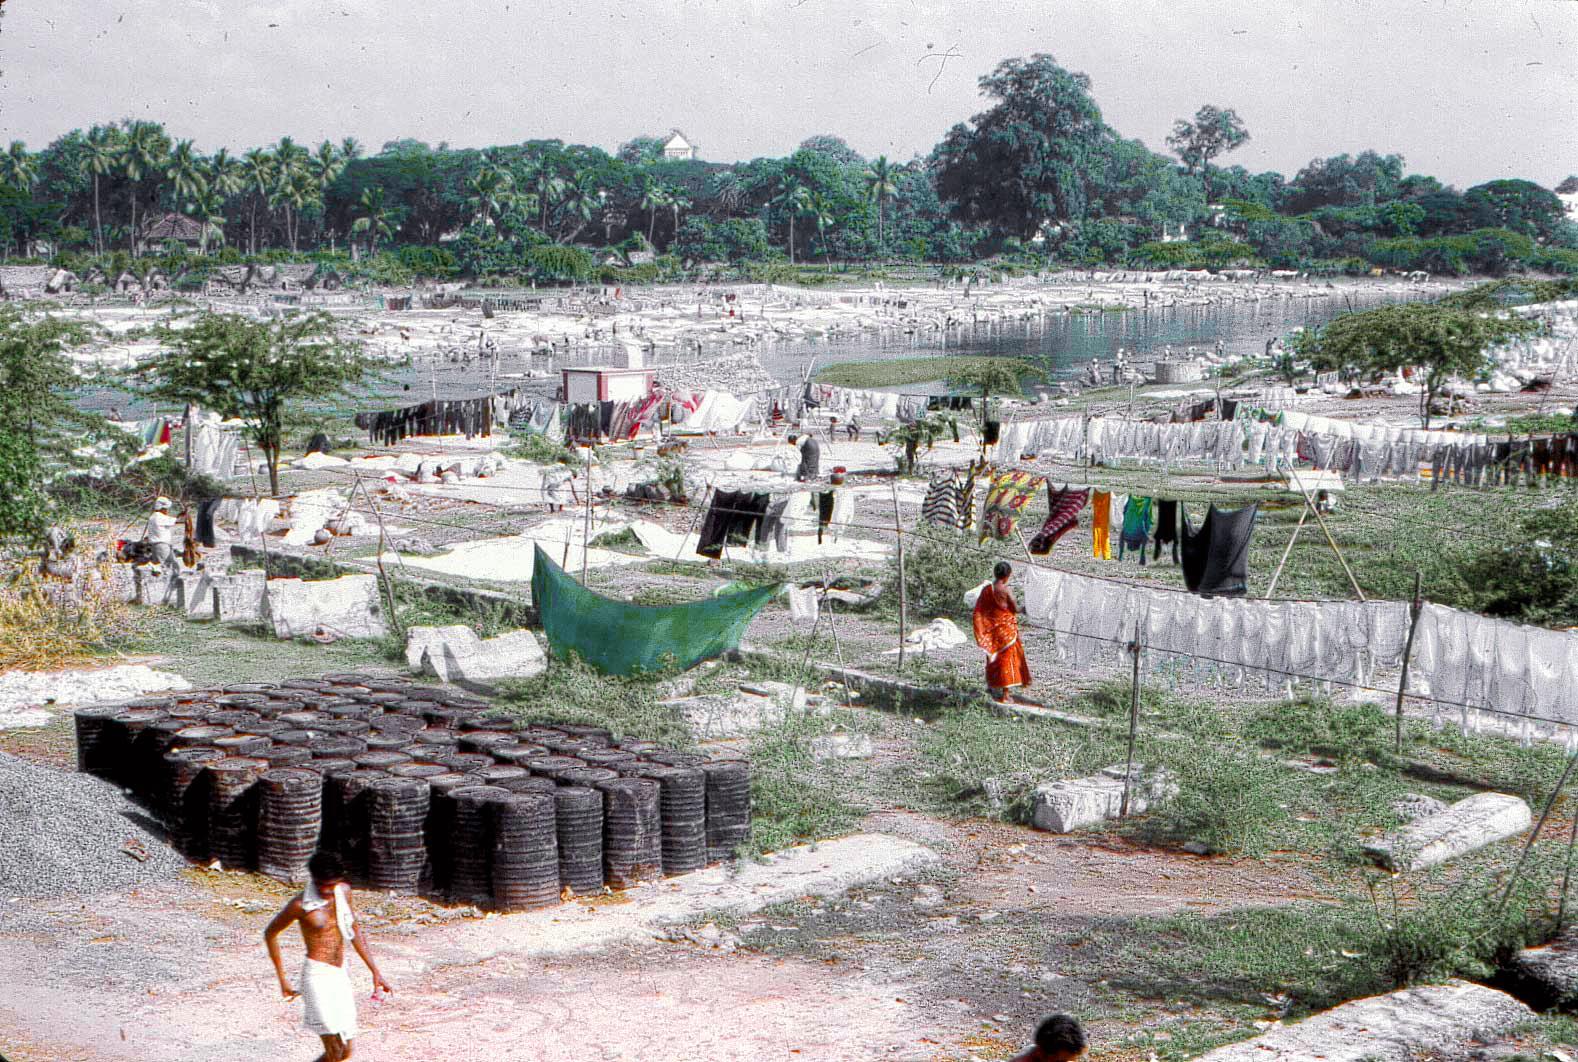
[[420, 790]]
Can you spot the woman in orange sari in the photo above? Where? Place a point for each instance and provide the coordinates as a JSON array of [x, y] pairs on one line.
[[997, 633]]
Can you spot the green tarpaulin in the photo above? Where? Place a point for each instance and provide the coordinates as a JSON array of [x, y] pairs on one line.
[[619, 638]]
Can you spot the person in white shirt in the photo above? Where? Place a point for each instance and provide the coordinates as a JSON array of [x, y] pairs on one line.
[[159, 532]]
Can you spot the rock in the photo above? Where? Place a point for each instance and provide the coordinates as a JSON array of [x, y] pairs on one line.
[[154, 586], [1412, 806], [197, 594], [1463, 827], [756, 705], [1065, 806], [1548, 976], [1399, 1027], [238, 597], [842, 747], [347, 607], [457, 655]]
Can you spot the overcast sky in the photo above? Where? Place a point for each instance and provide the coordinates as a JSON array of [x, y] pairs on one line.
[[1466, 90]]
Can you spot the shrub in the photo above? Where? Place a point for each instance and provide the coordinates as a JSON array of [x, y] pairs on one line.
[[45, 625]]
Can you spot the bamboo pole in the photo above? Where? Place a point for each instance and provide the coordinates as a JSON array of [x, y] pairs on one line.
[[1535, 835], [383, 573], [586, 544], [1134, 722], [693, 518], [1414, 609], [1304, 514], [898, 531], [1567, 870], [1310, 503], [832, 625]]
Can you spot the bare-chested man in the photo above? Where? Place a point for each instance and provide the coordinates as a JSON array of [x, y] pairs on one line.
[[328, 923]]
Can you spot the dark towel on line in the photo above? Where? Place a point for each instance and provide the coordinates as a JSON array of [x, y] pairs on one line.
[[205, 522], [1166, 527], [1216, 557], [824, 513]]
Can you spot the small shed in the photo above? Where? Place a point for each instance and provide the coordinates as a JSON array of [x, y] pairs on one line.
[[606, 384], [676, 147], [172, 228]]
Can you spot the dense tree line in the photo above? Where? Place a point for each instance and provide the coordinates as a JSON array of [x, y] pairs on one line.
[[1038, 175]]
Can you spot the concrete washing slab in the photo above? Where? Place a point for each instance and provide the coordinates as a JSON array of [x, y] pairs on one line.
[[1399, 1027], [576, 928], [1464, 827]]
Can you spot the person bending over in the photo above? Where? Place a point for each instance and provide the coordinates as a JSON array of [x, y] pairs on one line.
[[328, 924], [1058, 1039]]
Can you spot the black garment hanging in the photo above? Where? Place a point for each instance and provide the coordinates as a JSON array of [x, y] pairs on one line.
[[205, 522], [991, 431], [772, 530], [731, 519], [824, 513], [1166, 527], [319, 444], [1216, 557]]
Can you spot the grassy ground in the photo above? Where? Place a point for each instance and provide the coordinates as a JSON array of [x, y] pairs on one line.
[[898, 372]]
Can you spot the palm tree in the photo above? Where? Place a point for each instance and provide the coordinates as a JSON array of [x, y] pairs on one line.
[[374, 219], [821, 212], [350, 149], [142, 157], [492, 191], [654, 197], [101, 159], [290, 160], [729, 188], [184, 169], [543, 178], [207, 207], [582, 199], [17, 168], [325, 165], [258, 173], [881, 185], [676, 203], [794, 197]]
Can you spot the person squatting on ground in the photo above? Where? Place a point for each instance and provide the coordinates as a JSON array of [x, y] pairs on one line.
[[996, 621], [1058, 1039], [328, 923]]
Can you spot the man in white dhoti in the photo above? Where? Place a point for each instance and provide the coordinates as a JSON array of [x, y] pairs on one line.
[[328, 923]]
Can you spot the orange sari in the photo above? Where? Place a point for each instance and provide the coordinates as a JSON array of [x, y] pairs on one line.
[[997, 631]]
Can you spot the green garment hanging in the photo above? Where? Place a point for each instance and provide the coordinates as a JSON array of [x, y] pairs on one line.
[[618, 638]]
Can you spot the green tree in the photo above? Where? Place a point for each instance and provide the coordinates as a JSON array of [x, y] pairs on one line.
[[795, 199], [259, 174], [881, 185], [375, 219], [1024, 162], [1367, 179], [18, 170], [101, 160], [207, 208], [993, 376], [1443, 341], [1214, 131], [257, 371], [142, 157], [491, 192], [24, 505], [184, 170], [1521, 206]]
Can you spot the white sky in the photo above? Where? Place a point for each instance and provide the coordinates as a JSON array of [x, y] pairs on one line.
[[1466, 90]]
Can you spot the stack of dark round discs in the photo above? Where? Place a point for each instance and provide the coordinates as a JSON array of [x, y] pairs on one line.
[[389, 721], [380, 760], [484, 741], [130, 767], [676, 759], [397, 820], [592, 735], [336, 746], [243, 744], [471, 843], [728, 807], [290, 814], [232, 809], [203, 735], [285, 755], [95, 746], [345, 818], [441, 823], [416, 770], [186, 799], [586, 776], [579, 819], [610, 758], [682, 809], [266, 727], [517, 754], [156, 740], [525, 851], [498, 773], [341, 726], [436, 741], [529, 783], [295, 736], [386, 740], [465, 762], [498, 722], [329, 766], [552, 766], [632, 831]]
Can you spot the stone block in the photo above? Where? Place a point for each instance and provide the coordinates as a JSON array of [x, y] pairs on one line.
[[754, 706], [1547, 976], [238, 597], [842, 747], [1464, 827], [197, 594], [154, 586], [1434, 1021], [347, 607], [455, 654], [1069, 805]]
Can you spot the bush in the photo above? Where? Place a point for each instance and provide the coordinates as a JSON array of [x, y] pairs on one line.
[[50, 625], [569, 691], [433, 262], [1230, 799], [132, 491], [793, 797], [935, 580], [1534, 578]]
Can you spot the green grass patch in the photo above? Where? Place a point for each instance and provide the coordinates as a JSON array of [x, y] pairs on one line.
[[623, 541], [571, 692], [793, 797]]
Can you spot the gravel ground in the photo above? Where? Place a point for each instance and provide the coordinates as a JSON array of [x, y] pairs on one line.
[[69, 833]]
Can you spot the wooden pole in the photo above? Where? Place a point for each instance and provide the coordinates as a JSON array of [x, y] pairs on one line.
[[1304, 514], [1523, 856], [586, 544], [832, 625], [693, 518], [188, 422], [1567, 870], [383, 573], [1310, 503], [1414, 608], [1134, 722], [898, 531]]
